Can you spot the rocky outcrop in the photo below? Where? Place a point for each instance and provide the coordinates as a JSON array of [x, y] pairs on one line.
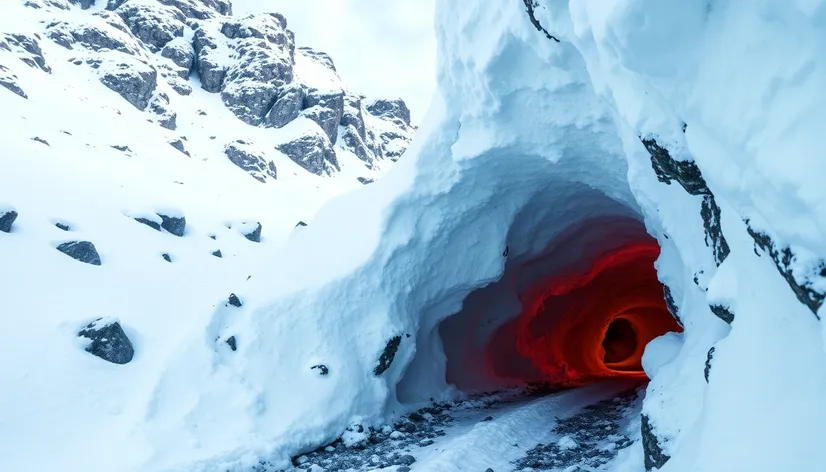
[[182, 55], [10, 82], [394, 110], [287, 106], [179, 145], [714, 238], [686, 173], [7, 217], [27, 49], [326, 109], [388, 355], [108, 341], [250, 230], [154, 25], [654, 455], [312, 151], [256, 164], [209, 65], [352, 141], [174, 223], [670, 304], [132, 79], [709, 358], [723, 312], [83, 251], [353, 115], [321, 57]]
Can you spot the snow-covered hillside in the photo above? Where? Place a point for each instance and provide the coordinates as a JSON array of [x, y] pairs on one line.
[[570, 145]]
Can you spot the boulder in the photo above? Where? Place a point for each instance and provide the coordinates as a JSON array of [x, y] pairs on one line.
[[174, 223], [10, 82], [351, 141], [390, 110], [155, 25], [210, 68], [182, 54], [352, 115], [179, 145], [134, 80], [83, 251], [234, 300], [251, 161], [251, 231], [326, 109], [312, 151], [7, 217], [287, 106], [108, 341]]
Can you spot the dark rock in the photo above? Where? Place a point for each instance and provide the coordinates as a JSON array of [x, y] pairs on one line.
[[686, 173], [174, 224], [313, 152], [199, 9], [242, 155], [710, 213], [321, 57], [232, 343], [670, 305], [154, 25], [723, 312], [83, 251], [234, 300], [326, 109], [390, 110], [167, 257], [182, 55], [84, 4], [253, 235], [388, 355], [354, 143], [654, 455], [133, 80], [218, 253], [179, 145], [41, 140], [488, 470], [488, 418], [392, 145], [152, 224], [352, 115], [784, 259], [208, 64], [212, 236], [180, 87], [7, 217], [9, 81], [321, 368], [28, 49], [300, 223], [287, 106], [109, 342], [529, 8], [365, 180], [709, 357], [121, 148], [62, 226]]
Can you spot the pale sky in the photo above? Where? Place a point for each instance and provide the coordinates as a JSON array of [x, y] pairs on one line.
[[381, 48]]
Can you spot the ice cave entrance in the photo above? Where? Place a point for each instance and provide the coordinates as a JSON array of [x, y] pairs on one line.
[[581, 311]]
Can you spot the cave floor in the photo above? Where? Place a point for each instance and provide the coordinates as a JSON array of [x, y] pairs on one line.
[[576, 430]]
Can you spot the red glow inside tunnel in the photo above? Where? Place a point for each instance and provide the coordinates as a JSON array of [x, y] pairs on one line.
[[578, 328]]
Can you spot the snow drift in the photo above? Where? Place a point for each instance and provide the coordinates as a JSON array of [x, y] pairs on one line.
[[563, 133]]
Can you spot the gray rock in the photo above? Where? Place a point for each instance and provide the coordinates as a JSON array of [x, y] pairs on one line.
[[240, 154], [287, 106], [232, 343], [218, 253], [208, 65], [313, 152], [179, 145], [165, 117], [151, 223], [714, 239], [62, 226], [9, 81], [686, 173], [654, 455], [723, 312], [352, 142], [365, 180], [154, 25], [352, 115], [174, 224], [96, 37], [83, 251], [390, 110], [253, 234], [709, 358], [321, 57], [200, 9], [249, 100], [41, 140], [392, 145], [234, 300], [182, 55], [133, 80], [166, 257], [28, 49], [326, 109], [108, 341], [84, 4], [179, 86], [7, 217], [387, 355]]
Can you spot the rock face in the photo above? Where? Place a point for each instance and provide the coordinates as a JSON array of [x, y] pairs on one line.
[[312, 151], [654, 455], [686, 173], [392, 110], [83, 251], [108, 341], [388, 355], [710, 213], [326, 109], [154, 25], [7, 217], [287, 106], [132, 79], [254, 163], [9, 81], [27, 49]]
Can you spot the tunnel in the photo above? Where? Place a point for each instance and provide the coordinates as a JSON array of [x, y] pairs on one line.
[[578, 301]]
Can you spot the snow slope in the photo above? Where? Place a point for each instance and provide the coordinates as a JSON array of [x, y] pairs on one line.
[[696, 122]]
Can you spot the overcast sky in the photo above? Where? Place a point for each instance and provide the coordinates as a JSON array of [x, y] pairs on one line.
[[383, 48]]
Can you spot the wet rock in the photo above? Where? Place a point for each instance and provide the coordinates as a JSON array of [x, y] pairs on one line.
[[108, 341], [802, 283], [321, 369], [253, 162], [709, 357], [388, 355], [714, 238], [326, 109], [312, 151], [7, 217], [83, 251], [654, 455], [392, 110], [723, 312], [287, 106], [232, 343], [179, 145], [121, 148], [155, 25], [175, 224], [234, 300], [686, 173], [218, 253], [133, 80]]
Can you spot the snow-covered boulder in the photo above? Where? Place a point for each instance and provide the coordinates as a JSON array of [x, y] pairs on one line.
[[287, 106], [173, 221], [251, 160], [10, 82], [107, 340], [7, 217], [155, 25], [182, 54], [210, 63], [131, 78], [312, 150], [326, 109], [83, 251], [391, 110]]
